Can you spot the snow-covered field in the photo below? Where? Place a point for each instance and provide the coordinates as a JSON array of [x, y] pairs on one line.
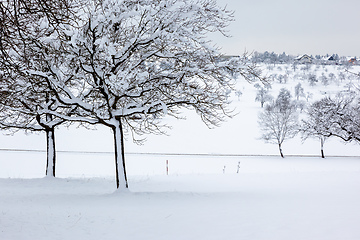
[[270, 198], [202, 197]]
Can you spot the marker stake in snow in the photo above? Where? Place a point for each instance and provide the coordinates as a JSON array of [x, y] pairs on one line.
[[167, 167]]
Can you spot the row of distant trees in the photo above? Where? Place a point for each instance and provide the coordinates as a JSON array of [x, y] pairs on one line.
[[275, 58], [122, 64], [337, 116], [313, 74]]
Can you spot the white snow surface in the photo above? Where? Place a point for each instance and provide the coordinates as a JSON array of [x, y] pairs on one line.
[[297, 198], [270, 198]]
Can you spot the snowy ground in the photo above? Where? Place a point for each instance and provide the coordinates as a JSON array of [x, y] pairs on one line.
[[270, 198], [201, 198]]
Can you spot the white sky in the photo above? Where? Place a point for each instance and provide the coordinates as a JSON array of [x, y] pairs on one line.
[[296, 27]]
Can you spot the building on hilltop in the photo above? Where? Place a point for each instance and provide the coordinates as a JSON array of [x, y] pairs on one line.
[[303, 59]]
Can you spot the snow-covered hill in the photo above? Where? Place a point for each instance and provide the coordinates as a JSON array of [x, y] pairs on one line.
[[239, 135]]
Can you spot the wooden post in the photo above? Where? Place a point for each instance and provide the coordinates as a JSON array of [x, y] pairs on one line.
[[167, 167]]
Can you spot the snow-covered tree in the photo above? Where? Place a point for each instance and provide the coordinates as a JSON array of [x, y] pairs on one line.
[[299, 91], [301, 105], [284, 100], [312, 79], [26, 101], [279, 121], [126, 64], [308, 96], [316, 123], [345, 117], [31, 107], [263, 95], [294, 66], [324, 79], [332, 77], [341, 76], [338, 117]]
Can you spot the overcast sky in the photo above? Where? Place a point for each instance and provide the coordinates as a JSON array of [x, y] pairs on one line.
[[296, 27]]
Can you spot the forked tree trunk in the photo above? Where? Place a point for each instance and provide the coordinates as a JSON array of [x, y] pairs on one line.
[[281, 153], [322, 147], [50, 152], [121, 178]]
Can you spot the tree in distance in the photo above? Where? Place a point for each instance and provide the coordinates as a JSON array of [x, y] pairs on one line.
[[262, 94], [316, 123], [279, 120], [299, 91], [333, 117]]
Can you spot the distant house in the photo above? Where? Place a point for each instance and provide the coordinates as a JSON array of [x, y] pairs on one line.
[[353, 60], [303, 59], [334, 59]]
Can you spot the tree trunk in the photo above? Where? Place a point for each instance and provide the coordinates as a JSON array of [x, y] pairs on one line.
[[322, 147], [50, 152], [281, 153], [121, 178]]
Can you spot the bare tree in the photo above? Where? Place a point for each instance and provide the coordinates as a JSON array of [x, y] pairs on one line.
[[279, 121]]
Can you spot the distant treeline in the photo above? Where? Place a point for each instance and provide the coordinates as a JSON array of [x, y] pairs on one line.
[[274, 58]]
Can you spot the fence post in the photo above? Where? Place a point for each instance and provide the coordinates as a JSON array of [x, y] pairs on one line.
[[167, 167]]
